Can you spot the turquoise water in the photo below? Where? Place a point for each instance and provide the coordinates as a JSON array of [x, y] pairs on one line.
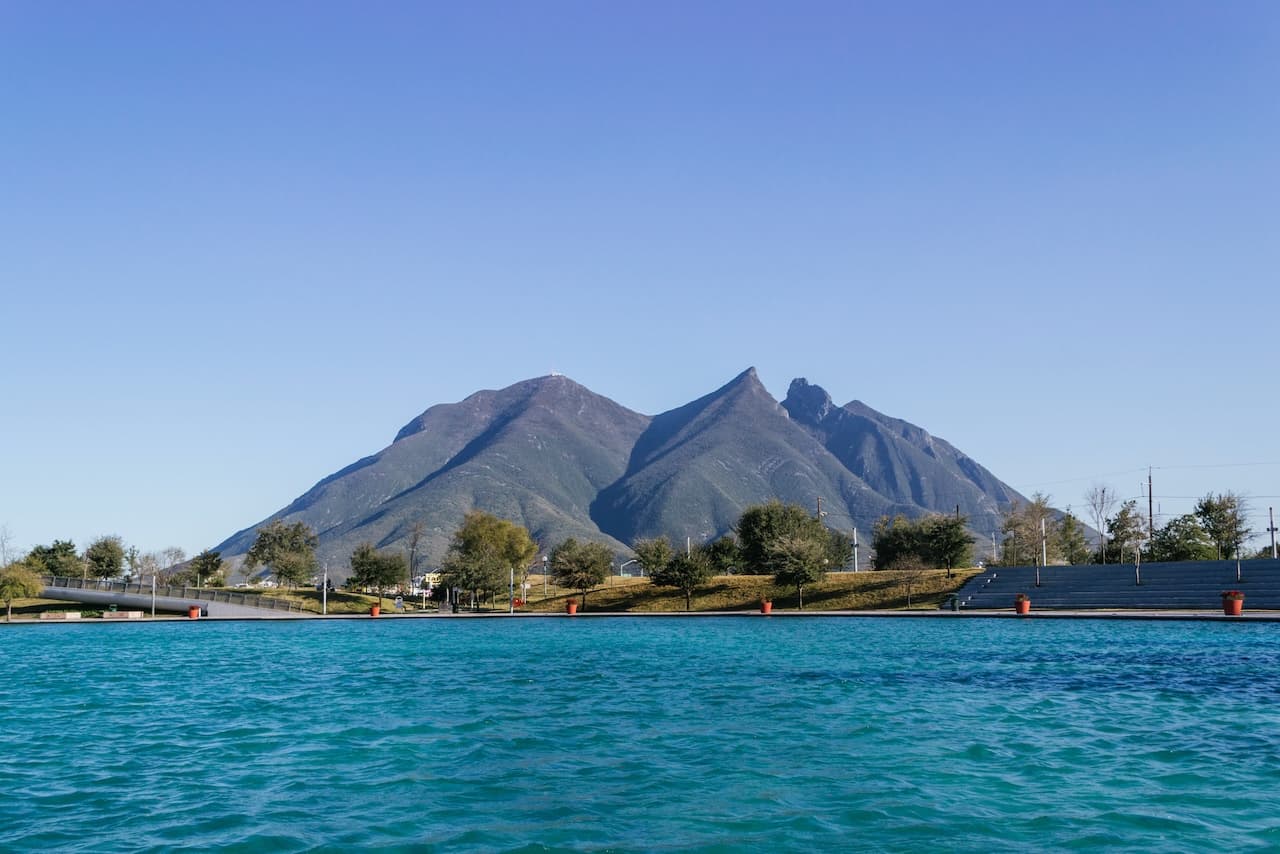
[[641, 734]]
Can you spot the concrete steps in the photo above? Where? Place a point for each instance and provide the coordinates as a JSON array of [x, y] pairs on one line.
[[1194, 585]]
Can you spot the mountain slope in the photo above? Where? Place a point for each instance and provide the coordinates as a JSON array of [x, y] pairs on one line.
[[537, 452], [697, 467], [900, 460]]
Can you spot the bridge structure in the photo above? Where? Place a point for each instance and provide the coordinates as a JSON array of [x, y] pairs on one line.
[[1182, 586], [147, 597]]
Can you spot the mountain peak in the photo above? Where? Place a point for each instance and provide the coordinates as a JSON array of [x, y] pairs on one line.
[[809, 404]]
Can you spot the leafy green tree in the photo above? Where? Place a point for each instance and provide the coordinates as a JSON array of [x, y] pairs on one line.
[[1071, 540], [1125, 531], [1225, 519], [379, 570], [724, 555], [208, 568], [895, 542], [946, 542], [58, 559], [653, 554], [935, 540], [287, 550], [1181, 538], [18, 581], [485, 551], [797, 560], [685, 573], [104, 558], [839, 550], [761, 526], [580, 566]]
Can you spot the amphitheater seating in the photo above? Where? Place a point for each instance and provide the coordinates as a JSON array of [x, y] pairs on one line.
[[1193, 585]]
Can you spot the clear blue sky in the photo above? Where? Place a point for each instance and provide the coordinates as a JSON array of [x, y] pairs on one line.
[[242, 243]]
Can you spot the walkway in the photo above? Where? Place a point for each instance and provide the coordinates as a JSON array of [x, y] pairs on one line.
[[141, 596]]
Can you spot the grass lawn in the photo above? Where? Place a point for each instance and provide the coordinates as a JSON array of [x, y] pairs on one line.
[[845, 591]]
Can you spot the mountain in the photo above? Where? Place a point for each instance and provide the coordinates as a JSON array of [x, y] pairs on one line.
[[899, 459], [538, 452], [567, 462], [697, 467]]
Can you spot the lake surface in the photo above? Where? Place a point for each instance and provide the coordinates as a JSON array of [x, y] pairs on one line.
[[641, 734]]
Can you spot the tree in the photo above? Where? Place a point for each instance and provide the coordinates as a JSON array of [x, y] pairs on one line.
[[1181, 538], [1027, 528], [209, 568], [1101, 500], [686, 573], [17, 581], [59, 559], [761, 526], [171, 557], [797, 560], [379, 570], [723, 554], [6, 545], [653, 554], [894, 541], [485, 552], [1071, 540], [946, 541], [1125, 530], [416, 532], [580, 566], [287, 550], [937, 540], [910, 578], [104, 558], [1225, 519]]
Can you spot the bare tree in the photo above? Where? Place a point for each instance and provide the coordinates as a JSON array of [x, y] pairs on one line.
[[6, 546], [416, 533], [1101, 500]]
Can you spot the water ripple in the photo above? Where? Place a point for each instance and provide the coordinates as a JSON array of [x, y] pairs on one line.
[[641, 735]]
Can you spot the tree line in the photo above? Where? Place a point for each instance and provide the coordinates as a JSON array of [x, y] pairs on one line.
[[1034, 533]]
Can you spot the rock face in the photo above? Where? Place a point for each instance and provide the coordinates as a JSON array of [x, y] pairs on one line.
[[566, 462]]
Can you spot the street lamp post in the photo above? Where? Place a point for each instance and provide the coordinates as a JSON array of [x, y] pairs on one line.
[[544, 576], [628, 563]]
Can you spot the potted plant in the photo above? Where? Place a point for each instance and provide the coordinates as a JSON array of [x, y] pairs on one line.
[[766, 605], [1232, 603], [571, 605], [1022, 603]]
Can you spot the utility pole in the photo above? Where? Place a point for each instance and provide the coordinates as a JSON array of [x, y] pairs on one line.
[[1271, 513], [1151, 512]]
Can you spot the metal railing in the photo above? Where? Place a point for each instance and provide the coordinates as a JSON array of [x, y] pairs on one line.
[[250, 600]]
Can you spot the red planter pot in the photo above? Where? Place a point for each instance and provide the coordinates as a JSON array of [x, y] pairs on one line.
[[766, 607], [375, 610], [1233, 607], [1022, 606], [571, 607], [193, 612]]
